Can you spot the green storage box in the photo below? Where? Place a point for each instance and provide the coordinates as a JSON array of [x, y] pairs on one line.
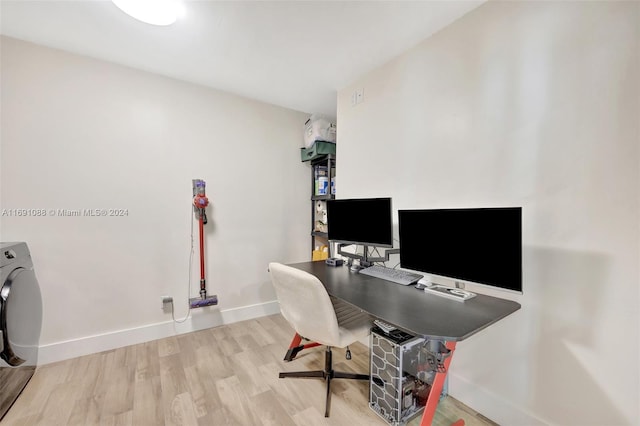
[[318, 149]]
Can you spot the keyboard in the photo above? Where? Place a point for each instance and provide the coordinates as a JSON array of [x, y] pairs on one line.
[[393, 275]]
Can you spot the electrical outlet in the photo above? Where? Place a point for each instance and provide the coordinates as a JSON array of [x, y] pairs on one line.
[[166, 301]]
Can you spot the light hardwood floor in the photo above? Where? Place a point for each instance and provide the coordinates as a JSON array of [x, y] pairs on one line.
[[226, 375]]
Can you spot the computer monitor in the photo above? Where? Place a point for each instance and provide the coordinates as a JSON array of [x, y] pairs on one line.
[[477, 245], [364, 221]]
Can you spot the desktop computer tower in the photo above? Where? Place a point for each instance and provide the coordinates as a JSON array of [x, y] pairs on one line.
[[398, 388]]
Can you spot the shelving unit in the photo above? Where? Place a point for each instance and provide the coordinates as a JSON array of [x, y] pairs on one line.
[[322, 157], [323, 164]]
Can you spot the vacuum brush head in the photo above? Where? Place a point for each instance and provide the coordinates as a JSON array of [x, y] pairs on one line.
[[198, 302]]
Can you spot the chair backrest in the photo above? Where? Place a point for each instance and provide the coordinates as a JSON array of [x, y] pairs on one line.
[[305, 304]]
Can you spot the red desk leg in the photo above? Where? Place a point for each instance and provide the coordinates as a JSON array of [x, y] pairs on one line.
[[296, 347], [436, 390], [296, 341]]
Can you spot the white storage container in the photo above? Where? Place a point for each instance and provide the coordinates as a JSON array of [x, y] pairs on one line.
[[319, 128]]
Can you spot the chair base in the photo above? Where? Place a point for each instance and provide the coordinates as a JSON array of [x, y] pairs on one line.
[[327, 374]]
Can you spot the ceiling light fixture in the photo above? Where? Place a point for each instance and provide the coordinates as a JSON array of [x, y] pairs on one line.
[[154, 12]]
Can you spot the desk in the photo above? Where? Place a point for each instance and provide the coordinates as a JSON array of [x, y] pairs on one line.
[[416, 312]]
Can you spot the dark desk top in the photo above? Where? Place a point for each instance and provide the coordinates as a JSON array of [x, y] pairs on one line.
[[412, 310]]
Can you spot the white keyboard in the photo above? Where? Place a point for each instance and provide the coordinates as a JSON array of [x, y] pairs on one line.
[[393, 275]]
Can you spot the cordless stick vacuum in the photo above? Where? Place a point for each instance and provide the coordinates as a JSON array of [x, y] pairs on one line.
[[200, 202]]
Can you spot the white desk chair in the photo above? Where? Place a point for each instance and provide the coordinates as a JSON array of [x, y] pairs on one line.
[[306, 305]]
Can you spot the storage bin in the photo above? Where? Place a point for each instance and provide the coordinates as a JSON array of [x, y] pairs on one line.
[[318, 149], [319, 128], [320, 253]]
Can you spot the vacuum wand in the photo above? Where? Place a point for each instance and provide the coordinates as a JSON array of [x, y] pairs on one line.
[[203, 282], [200, 202]]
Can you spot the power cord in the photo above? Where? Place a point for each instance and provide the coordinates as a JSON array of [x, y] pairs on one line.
[[190, 274]]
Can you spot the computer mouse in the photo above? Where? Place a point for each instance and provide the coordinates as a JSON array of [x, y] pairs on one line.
[[420, 286]]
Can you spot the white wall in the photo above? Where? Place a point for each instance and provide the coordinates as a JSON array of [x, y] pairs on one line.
[[532, 104], [80, 133]]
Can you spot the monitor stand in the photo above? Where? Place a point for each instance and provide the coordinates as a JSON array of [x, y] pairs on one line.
[[454, 293], [365, 259], [356, 267]]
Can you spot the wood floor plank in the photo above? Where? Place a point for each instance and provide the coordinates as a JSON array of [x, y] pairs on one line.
[[286, 391], [246, 342], [148, 402], [88, 376], [229, 346], [106, 368], [247, 373], [120, 356], [168, 346], [130, 356], [187, 344], [119, 394], [147, 361], [213, 405], [61, 403], [22, 421], [172, 375], [274, 352], [236, 401], [270, 411], [221, 333], [121, 419], [85, 411], [201, 395], [261, 334], [267, 322], [180, 411], [309, 417], [211, 359]]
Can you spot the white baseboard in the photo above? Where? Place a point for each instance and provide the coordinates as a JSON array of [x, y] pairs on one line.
[[200, 319], [490, 405]]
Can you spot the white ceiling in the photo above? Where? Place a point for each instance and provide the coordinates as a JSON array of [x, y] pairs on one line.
[[295, 54]]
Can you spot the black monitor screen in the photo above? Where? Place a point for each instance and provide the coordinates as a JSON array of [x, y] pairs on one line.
[[477, 245], [364, 221]]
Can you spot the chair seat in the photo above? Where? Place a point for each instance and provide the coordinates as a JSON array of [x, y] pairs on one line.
[[353, 324]]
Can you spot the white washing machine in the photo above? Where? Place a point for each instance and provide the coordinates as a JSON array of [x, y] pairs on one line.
[[20, 322]]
